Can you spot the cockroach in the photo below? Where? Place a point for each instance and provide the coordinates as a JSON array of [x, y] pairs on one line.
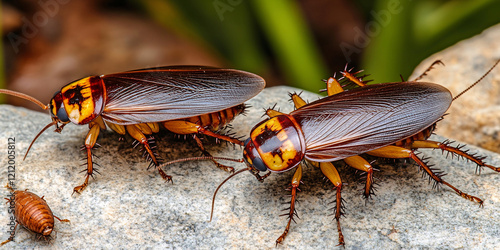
[[389, 120], [33, 213], [186, 100]]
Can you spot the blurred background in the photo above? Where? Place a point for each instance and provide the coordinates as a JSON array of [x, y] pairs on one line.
[[49, 43]]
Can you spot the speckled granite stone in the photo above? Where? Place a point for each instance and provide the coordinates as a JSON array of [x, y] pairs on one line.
[[474, 117], [128, 206]]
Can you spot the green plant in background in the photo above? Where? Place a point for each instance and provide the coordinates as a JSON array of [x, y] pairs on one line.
[[292, 43], [247, 33], [255, 35], [419, 29], [397, 36]]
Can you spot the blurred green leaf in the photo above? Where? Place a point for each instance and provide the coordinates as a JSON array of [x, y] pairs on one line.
[[292, 42], [225, 25], [389, 38], [247, 33], [396, 37], [421, 29]]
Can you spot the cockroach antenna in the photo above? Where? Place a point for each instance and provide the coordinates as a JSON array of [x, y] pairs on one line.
[[479, 80], [222, 183], [24, 96]]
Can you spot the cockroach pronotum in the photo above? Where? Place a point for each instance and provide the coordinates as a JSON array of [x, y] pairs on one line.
[[33, 213], [184, 99], [389, 120]]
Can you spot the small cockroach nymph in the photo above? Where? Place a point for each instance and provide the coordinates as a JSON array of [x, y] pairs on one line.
[[186, 100], [33, 213], [389, 120]]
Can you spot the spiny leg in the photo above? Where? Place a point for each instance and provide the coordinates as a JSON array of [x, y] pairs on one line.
[[360, 163], [399, 152], [428, 69], [297, 100], [292, 212], [182, 127], [445, 146], [333, 86], [147, 140], [327, 168], [333, 175], [206, 153], [90, 142], [272, 113], [146, 129], [136, 133], [353, 77]]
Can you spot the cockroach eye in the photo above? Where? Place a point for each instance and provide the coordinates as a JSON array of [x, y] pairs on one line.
[[259, 164], [252, 157], [62, 115]]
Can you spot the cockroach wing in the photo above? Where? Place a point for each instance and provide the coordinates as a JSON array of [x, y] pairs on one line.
[[169, 93], [367, 118]]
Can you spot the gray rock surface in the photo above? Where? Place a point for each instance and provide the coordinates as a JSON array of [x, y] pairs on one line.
[[128, 206], [474, 117]]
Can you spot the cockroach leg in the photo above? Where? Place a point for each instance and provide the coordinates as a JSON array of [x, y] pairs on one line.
[[136, 131], [360, 163], [292, 212], [259, 177], [297, 100], [185, 128], [272, 113], [90, 142], [333, 86], [353, 78], [400, 152], [333, 175], [438, 179], [206, 153], [230, 139], [120, 129], [445, 146], [428, 69]]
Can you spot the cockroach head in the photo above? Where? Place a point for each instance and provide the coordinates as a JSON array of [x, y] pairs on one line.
[[252, 157], [47, 231], [57, 111]]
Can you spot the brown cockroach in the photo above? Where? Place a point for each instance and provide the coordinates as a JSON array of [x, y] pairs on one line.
[[388, 120], [32, 212], [186, 100]]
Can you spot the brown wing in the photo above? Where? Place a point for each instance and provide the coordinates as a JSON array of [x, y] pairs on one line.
[[169, 93], [363, 119]]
